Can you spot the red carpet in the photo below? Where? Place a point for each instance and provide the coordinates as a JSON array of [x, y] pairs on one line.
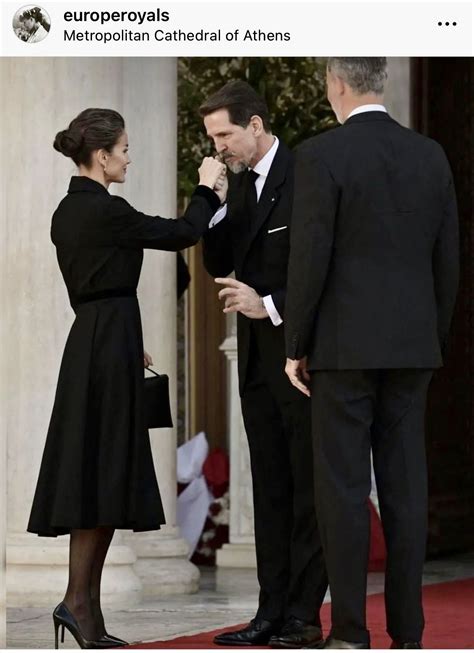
[[449, 615], [378, 552]]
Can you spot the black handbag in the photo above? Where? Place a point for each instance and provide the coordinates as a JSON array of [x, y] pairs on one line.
[[157, 401]]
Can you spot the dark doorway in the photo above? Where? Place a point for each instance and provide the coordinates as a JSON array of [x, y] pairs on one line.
[[443, 108]]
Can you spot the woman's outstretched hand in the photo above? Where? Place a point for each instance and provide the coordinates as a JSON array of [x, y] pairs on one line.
[[210, 171]]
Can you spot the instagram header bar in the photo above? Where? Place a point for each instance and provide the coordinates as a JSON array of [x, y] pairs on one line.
[[227, 28]]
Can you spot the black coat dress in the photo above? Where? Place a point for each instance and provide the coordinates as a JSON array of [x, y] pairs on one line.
[[97, 467]]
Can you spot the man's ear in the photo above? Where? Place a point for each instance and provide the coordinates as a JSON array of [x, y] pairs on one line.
[[256, 124], [338, 84], [341, 86]]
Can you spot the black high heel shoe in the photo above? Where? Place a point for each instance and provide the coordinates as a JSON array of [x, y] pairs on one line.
[[63, 618], [113, 641]]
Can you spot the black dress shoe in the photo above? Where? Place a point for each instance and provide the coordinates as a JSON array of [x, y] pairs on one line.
[[257, 633], [297, 633], [332, 642], [406, 645]]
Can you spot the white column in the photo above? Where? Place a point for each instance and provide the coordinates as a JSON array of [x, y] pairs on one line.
[[3, 421], [43, 96], [3, 444], [398, 92], [240, 551], [163, 564]]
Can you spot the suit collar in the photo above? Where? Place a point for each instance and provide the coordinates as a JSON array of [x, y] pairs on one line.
[[364, 108], [369, 116], [277, 173], [80, 184]]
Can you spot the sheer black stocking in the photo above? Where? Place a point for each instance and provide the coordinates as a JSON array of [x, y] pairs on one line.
[[96, 577], [87, 551]]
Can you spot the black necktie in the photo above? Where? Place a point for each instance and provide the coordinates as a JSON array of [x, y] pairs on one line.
[[252, 177], [250, 190], [250, 197]]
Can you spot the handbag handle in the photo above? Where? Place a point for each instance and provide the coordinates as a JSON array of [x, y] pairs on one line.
[[152, 371]]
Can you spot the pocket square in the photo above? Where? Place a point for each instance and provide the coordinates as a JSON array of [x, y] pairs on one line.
[[272, 231]]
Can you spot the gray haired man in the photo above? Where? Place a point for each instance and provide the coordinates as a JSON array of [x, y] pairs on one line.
[[373, 274]]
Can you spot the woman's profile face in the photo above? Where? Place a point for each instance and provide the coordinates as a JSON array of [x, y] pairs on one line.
[[117, 161]]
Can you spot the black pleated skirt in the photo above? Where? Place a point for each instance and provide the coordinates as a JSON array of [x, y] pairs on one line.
[[97, 467]]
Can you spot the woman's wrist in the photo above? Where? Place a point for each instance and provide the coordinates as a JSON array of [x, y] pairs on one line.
[[210, 195]]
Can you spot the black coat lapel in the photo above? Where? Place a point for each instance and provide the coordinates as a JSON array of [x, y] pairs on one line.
[[270, 193]]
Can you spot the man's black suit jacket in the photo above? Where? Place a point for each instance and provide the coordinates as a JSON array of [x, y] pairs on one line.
[[374, 260], [246, 243]]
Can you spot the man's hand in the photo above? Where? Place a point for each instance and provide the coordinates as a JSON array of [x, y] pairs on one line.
[[240, 298], [147, 359], [298, 375], [221, 187]]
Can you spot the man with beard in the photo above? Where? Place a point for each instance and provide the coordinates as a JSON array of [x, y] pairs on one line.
[[250, 236]]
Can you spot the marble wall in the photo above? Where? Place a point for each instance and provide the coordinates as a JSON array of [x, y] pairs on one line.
[[3, 390], [398, 90]]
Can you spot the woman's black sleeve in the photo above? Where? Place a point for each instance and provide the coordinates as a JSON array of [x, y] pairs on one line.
[[131, 228]]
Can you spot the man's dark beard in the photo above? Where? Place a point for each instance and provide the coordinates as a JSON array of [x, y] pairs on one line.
[[234, 166]]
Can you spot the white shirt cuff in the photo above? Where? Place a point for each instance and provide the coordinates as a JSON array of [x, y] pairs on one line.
[[218, 216], [273, 314]]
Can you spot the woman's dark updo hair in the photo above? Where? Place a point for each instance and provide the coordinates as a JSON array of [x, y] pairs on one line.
[[93, 129]]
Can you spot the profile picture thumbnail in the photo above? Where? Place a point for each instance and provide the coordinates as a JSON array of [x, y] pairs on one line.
[[31, 24]]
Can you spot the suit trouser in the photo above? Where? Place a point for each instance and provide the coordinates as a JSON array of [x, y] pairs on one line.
[[354, 411], [290, 566]]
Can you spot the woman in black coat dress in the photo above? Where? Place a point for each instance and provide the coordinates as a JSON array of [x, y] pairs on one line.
[[97, 470]]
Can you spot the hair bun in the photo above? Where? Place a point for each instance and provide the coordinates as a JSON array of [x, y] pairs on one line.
[[68, 142]]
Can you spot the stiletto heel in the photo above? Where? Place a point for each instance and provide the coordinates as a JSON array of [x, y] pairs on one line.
[[56, 628], [62, 617]]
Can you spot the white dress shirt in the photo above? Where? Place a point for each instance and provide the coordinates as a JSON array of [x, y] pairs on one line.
[[366, 107], [263, 169]]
